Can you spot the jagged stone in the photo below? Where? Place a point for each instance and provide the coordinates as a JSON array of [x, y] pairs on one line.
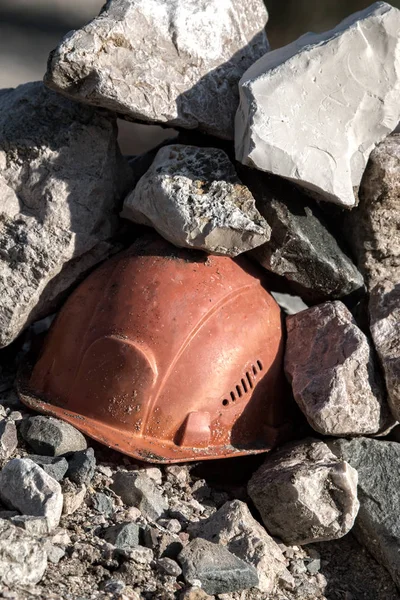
[[61, 180], [23, 559], [26, 487], [330, 364], [313, 111], [193, 197], [305, 494], [158, 61], [8, 438], [51, 436], [137, 489]]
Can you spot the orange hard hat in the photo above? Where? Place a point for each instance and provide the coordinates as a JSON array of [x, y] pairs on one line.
[[166, 355]]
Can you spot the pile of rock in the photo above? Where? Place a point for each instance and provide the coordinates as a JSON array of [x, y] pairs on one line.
[[277, 140]]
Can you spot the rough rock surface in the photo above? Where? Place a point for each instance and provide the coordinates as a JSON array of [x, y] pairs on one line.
[[26, 487], [193, 197], [139, 490], [330, 364], [8, 438], [301, 247], [55, 466], [81, 466], [372, 229], [377, 525], [23, 559], [294, 99], [384, 310], [61, 180], [234, 527], [158, 61], [305, 494], [51, 436], [216, 568], [125, 535]]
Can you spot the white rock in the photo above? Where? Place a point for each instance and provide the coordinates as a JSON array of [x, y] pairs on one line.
[[330, 364], [193, 197], [160, 61], [234, 527], [23, 559], [305, 494], [61, 179], [314, 110], [27, 488]]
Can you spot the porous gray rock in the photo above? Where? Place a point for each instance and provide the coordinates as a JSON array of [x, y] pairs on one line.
[[330, 365], [218, 570], [372, 229], [8, 438], [51, 437], [377, 525], [193, 197], [234, 527], [61, 181], [305, 494], [137, 489], [122, 536], [313, 111], [301, 247], [384, 311], [27, 488], [55, 466], [81, 466], [23, 560], [158, 61]]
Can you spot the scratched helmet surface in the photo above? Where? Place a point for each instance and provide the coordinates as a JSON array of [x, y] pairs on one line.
[[166, 355]]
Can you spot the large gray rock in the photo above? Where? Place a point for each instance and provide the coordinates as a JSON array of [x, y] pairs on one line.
[[305, 494], [23, 559], [159, 61], [301, 247], [27, 488], [372, 229], [313, 111], [218, 571], [384, 310], [330, 364], [193, 197], [234, 527], [51, 436], [377, 525], [61, 181]]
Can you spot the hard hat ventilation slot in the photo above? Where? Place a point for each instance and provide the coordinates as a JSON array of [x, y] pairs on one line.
[[244, 386]]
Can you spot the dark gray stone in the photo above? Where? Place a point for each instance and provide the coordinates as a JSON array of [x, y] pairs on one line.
[[123, 536], [102, 503], [8, 438], [218, 570], [55, 466], [169, 566], [377, 526], [138, 489], [81, 466], [301, 247], [51, 437]]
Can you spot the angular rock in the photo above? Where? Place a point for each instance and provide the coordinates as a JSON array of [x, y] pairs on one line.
[[123, 536], [23, 560], [330, 364], [314, 110], [193, 197], [169, 566], [162, 62], [102, 503], [372, 229], [27, 488], [8, 438], [36, 526], [55, 466], [61, 180], [137, 489], [218, 570], [305, 494], [301, 247], [377, 525], [384, 310], [73, 497], [52, 437], [234, 527], [81, 466]]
